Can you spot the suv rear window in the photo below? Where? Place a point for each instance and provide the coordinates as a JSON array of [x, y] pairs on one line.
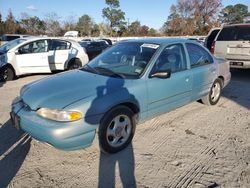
[[9, 37], [234, 33]]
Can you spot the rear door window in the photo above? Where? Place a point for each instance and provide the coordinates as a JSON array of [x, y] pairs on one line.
[[60, 45]]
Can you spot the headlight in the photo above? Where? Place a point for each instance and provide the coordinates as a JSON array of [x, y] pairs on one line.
[[59, 115]]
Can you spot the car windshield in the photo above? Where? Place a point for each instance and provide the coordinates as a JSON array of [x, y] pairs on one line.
[[9, 45], [125, 59]]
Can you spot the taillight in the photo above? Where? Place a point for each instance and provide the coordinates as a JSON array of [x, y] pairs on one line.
[[212, 47]]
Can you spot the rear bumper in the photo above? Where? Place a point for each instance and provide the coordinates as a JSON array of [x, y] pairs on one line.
[[227, 79], [239, 64]]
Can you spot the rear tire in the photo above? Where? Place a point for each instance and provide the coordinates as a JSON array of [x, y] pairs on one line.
[[116, 129], [74, 64], [214, 94]]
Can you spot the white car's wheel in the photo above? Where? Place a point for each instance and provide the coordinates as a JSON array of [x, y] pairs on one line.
[[8, 73], [74, 64]]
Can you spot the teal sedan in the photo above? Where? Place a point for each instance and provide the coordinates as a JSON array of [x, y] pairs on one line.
[[129, 83]]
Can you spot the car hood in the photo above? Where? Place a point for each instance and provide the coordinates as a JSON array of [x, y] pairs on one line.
[[61, 90]]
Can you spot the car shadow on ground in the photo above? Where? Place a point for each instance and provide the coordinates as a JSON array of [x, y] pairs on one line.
[[14, 146], [126, 166], [238, 90], [2, 81]]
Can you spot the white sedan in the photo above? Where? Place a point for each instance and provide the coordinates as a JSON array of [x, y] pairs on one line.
[[39, 55]]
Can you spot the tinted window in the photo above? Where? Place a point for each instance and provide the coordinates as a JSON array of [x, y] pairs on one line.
[[60, 45], [234, 33], [9, 38], [172, 58], [198, 56], [213, 34], [227, 33], [243, 33]]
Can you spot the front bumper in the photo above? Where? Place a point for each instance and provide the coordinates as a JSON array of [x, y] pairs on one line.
[[61, 135]]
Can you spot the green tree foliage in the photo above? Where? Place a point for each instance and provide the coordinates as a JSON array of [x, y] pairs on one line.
[[152, 32], [234, 14], [114, 15], [85, 25], [95, 31]]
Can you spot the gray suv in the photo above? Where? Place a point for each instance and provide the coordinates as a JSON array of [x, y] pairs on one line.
[[233, 43]]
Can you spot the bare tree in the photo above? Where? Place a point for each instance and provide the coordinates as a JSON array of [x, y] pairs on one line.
[[52, 24], [206, 13], [10, 23], [190, 17], [70, 23], [32, 24]]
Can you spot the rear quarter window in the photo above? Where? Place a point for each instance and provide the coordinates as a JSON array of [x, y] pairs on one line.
[[234, 33], [198, 56]]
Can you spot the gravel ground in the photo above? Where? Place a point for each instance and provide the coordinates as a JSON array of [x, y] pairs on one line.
[[193, 146]]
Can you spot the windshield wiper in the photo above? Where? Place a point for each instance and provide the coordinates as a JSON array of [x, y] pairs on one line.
[[108, 72], [89, 69]]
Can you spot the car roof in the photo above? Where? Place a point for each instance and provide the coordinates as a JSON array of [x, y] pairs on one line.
[[160, 41], [240, 24], [7, 34], [34, 38]]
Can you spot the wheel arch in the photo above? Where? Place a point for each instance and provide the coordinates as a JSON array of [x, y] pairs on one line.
[[131, 105], [222, 80], [66, 66], [8, 65]]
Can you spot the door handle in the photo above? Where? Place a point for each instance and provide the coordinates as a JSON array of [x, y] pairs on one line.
[[187, 79]]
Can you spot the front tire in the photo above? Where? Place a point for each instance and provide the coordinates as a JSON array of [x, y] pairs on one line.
[[214, 94], [116, 129], [8, 73]]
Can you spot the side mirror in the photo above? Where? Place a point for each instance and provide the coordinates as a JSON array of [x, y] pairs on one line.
[[19, 51], [161, 74]]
